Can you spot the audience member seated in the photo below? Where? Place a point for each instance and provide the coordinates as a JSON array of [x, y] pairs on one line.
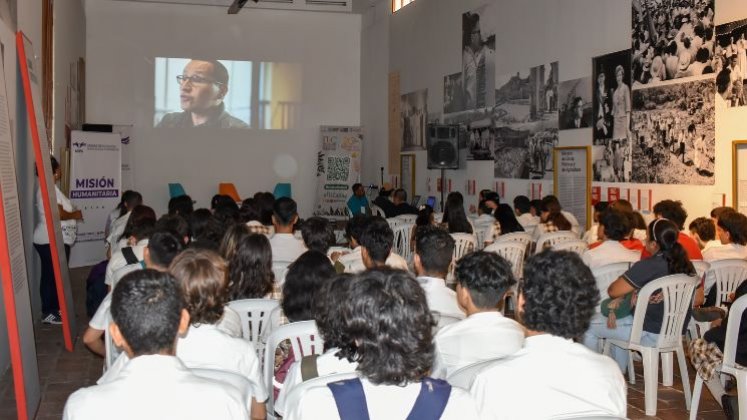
[[205, 230], [716, 213], [285, 247], [358, 202], [613, 227], [318, 234], [149, 312], [181, 206], [250, 213], [486, 223], [331, 325], [591, 235], [637, 224], [454, 219], [130, 199], [552, 219], [387, 319], [434, 249], [128, 256], [250, 270], [157, 255], [227, 213], [703, 230], [375, 236], [732, 232], [222, 200], [231, 239], [552, 377], [674, 212], [667, 257], [506, 221], [568, 215], [522, 208], [397, 206], [483, 278], [139, 216]]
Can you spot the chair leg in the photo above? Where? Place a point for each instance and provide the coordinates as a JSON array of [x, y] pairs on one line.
[[697, 389], [685, 376], [667, 369], [650, 378], [631, 368]]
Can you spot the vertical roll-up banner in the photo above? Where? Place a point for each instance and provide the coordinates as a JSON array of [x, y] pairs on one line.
[[30, 75], [338, 168], [95, 182]]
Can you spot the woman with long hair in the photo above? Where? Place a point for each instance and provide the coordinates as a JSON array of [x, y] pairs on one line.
[[250, 269], [551, 219], [506, 217], [455, 219]]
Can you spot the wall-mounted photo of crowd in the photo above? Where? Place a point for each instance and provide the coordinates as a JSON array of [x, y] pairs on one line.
[[731, 56]]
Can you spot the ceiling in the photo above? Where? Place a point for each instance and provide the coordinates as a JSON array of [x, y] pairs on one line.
[[358, 6]]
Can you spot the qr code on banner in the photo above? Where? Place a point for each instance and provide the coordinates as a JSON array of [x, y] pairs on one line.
[[338, 168]]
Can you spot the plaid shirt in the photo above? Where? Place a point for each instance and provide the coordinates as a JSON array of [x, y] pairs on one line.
[[706, 358], [257, 228]]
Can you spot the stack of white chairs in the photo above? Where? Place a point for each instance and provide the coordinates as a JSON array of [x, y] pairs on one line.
[[551, 239], [255, 319]]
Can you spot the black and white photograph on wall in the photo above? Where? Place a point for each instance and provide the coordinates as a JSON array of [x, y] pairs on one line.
[[513, 97], [612, 161], [544, 92], [524, 150], [413, 120], [453, 93], [465, 119], [611, 94], [574, 97], [731, 59], [478, 57], [480, 135], [674, 133], [672, 39]]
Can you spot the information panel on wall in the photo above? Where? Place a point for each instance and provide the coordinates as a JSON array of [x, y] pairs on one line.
[[739, 175], [572, 181], [338, 168]]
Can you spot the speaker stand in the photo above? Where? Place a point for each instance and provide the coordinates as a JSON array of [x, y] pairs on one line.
[[443, 187]]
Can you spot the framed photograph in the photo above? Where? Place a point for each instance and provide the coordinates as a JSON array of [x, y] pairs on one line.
[[572, 181], [407, 173], [739, 175]]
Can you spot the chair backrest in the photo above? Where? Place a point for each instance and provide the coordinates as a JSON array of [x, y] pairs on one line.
[[246, 387], [464, 244], [111, 349], [176, 190], [377, 211], [701, 267], [255, 317], [280, 269], [677, 293], [296, 394], [550, 239], [606, 274], [577, 245], [282, 189], [732, 334], [402, 235], [513, 252], [305, 340], [728, 274], [464, 376], [227, 188], [407, 218]]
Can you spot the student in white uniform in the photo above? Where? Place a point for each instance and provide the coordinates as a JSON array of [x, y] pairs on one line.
[[703, 230], [434, 249], [148, 312], [329, 321], [592, 235], [120, 238], [614, 226], [568, 215], [352, 262], [129, 200], [522, 208], [388, 321], [552, 376], [731, 230], [285, 246], [138, 235], [483, 278], [157, 255]]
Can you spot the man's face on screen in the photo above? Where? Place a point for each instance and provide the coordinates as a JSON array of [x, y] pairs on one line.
[[200, 94]]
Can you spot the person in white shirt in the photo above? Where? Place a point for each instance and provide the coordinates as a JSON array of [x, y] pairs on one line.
[[552, 376], [483, 278], [731, 229], [148, 312], [592, 235], [139, 216], [388, 324], [352, 262], [614, 226], [68, 223], [285, 246], [522, 207], [129, 255], [328, 317], [129, 200], [434, 249], [703, 230], [485, 221]]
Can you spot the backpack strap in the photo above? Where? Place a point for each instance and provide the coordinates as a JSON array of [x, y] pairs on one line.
[[431, 402], [350, 399], [308, 367], [129, 255]]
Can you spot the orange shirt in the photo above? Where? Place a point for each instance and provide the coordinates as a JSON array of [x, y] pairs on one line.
[[691, 248], [632, 243]]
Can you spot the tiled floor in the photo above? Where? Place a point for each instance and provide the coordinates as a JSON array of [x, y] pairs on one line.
[[61, 373]]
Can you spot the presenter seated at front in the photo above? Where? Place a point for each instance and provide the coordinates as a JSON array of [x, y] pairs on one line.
[[203, 85], [358, 203], [149, 313]]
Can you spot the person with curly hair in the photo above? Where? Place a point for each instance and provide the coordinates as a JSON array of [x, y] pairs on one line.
[[434, 250], [613, 228], [250, 270], [386, 317], [330, 323], [552, 376], [674, 212], [731, 230], [703, 230], [483, 278], [668, 257]]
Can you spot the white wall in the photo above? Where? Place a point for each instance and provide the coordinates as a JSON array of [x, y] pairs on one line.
[[425, 44], [124, 37]]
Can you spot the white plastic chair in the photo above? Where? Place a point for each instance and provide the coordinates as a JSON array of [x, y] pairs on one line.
[[513, 252], [394, 222], [464, 376], [246, 387], [727, 275], [464, 243], [401, 245], [607, 274], [294, 397], [481, 234], [701, 267], [407, 218], [696, 329], [255, 319], [728, 365], [677, 294], [551, 239], [577, 245], [377, 211], [521, 237], [305, 340]]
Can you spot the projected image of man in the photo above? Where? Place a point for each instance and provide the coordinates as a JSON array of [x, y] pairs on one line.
[[203, 85]]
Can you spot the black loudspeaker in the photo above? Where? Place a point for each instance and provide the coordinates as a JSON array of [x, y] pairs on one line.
[[443, 146]]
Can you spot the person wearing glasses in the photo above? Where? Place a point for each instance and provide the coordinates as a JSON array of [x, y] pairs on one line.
[[202, 87]]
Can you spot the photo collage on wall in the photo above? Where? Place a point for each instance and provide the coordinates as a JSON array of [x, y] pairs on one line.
[[730, 57]]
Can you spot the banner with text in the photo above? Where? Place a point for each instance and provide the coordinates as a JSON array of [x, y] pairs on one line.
[[338, 167], [572, 183], [95, 185]]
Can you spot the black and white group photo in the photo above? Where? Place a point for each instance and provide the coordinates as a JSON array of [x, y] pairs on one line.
[[671, 40], [524, 151], [731, 55], [453, 93], [612, 160], [478, 58], [611, 93], [674, 134], [574, 98], [413, 119], [481, 135]]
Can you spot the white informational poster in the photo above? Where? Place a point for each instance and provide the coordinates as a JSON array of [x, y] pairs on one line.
[[573, 181], [128, 165], [338, 168], [95, 188]]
